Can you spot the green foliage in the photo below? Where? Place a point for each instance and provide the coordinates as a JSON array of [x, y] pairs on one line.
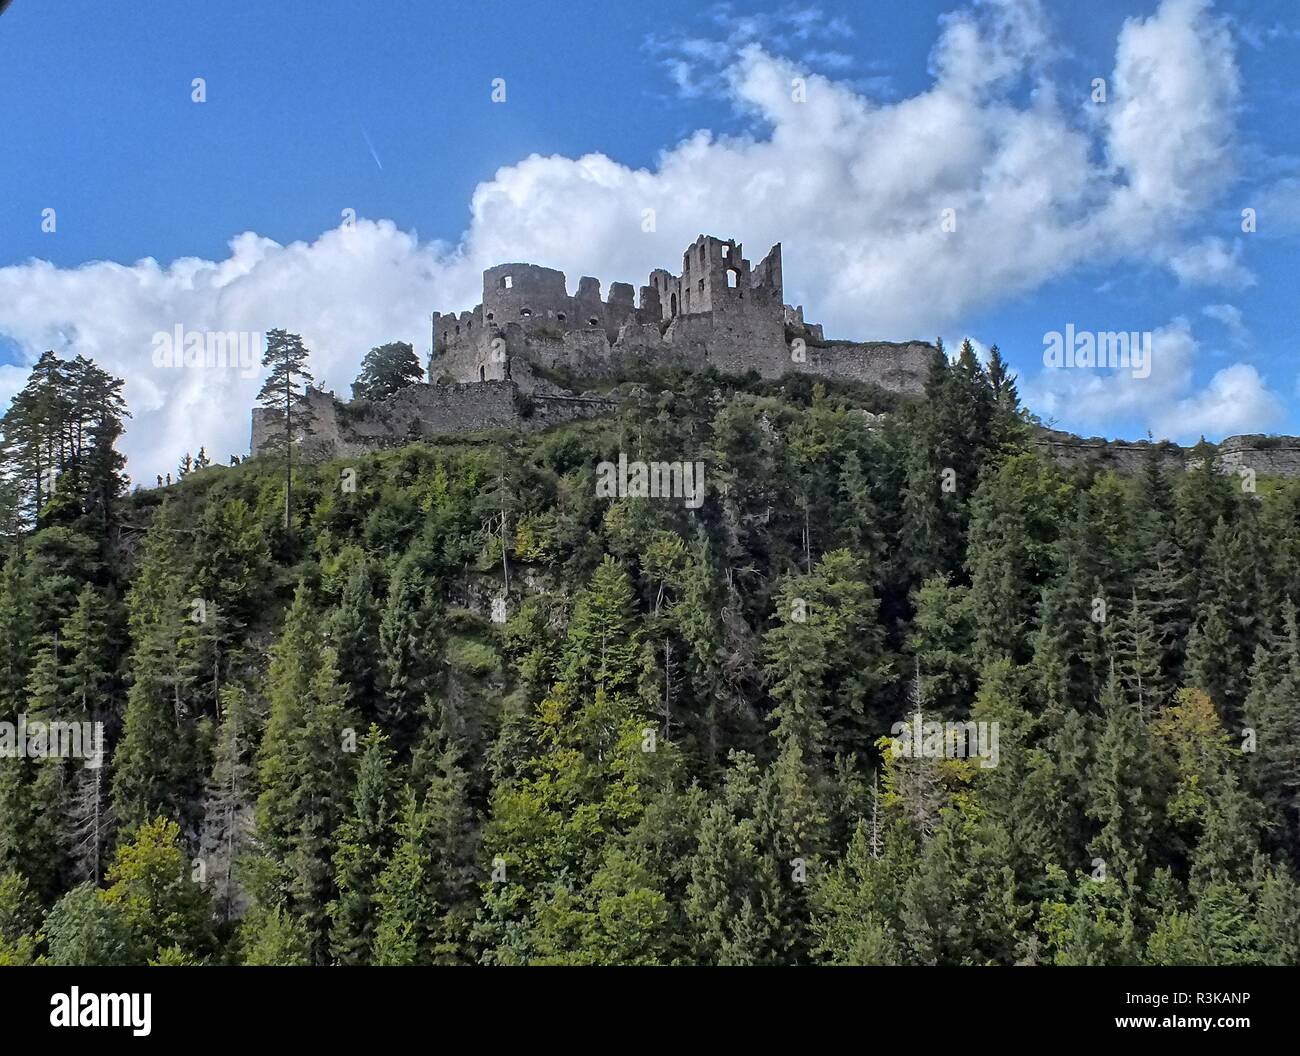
[[386, 370], [84, 928], [150, 883], [680, 741]]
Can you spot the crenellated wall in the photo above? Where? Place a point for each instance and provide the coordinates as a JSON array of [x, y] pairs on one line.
[[489, 365], [720, 311]]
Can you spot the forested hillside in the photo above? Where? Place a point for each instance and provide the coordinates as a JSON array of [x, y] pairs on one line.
[[331, 742]]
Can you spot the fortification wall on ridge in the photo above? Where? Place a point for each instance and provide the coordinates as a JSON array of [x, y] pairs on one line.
[[896, 367], [422, 412], [721, 311], [1268, 456]]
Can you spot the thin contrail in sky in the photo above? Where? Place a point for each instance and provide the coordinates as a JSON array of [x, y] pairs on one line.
[[368, 143]]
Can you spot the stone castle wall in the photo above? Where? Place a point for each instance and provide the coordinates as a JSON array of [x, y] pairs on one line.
[[1268, 456], [720, 312], [424, 412]]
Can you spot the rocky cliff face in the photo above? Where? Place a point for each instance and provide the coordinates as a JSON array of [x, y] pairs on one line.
[[1268, 456]]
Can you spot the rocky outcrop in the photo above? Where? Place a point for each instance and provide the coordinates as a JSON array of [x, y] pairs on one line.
[[1267, 456]]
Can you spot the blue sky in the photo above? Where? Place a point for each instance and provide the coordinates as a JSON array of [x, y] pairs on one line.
[[1122, 215]]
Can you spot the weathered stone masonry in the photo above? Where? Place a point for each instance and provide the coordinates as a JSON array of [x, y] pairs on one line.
[[1268, 456], [719, 312], [424, 412]]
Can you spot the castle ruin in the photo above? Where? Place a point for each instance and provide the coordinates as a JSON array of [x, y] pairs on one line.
[[719, 312], [496, 366]]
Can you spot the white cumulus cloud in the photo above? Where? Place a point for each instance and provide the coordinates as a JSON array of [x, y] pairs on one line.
[[855, 188]]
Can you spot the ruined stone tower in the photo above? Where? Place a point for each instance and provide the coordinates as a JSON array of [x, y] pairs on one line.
[[501, 364], [720, 311]]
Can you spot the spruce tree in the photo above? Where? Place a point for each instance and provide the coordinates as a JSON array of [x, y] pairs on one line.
[[362, 848]]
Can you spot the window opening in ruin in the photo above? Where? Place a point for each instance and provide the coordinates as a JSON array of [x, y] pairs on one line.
[[731, 280], [702, 258], [489, 317], [701, 285], [482, 373], [593, 321], [674, 304], [507, 282], [526, 313], [560, 316]]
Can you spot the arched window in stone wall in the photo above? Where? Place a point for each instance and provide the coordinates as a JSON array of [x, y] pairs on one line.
[[507, 282], [732, 279], [482, 373], [674, 302], [525, 313], [489, 315], [561, 316], [702, 256]]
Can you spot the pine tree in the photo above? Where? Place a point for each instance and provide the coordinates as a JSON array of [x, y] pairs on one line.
[[1271, 737], [363, 846], [407, 631], [88, 673], [153, 762], [284, 396], [1122, 791], [304, 765], [227, 811], [454, 856], [87, 680], [1277, 919], [404, 898], [1138, 659], [732, 901], [89, 823], [940, 641], [603, 643], [353, 629], [826, 659]]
